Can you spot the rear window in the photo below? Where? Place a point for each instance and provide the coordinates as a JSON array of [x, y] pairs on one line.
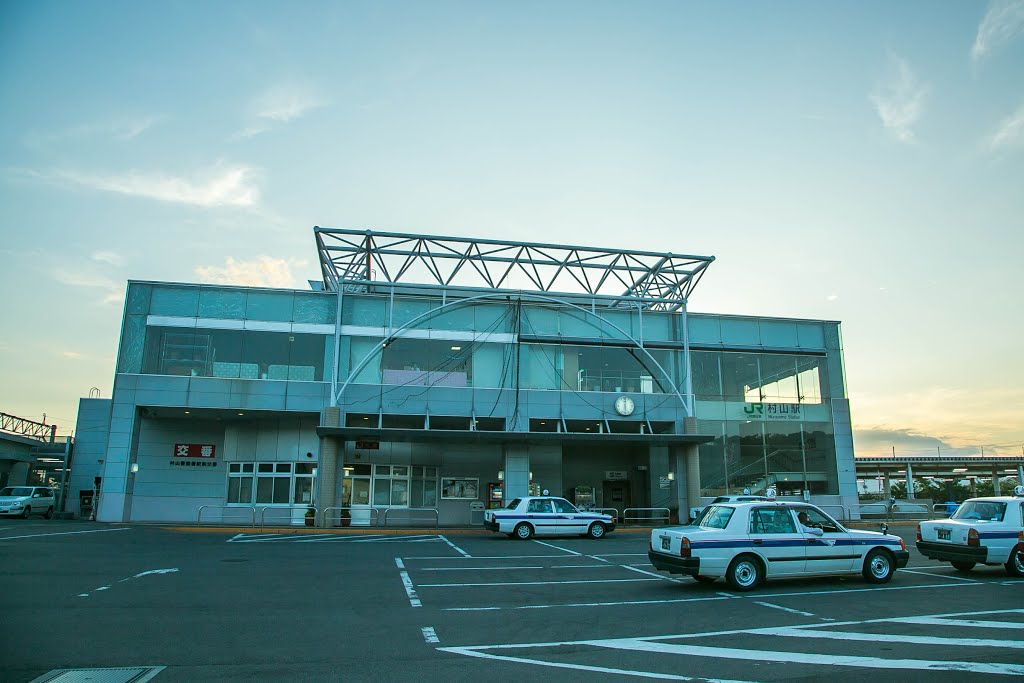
[[716, 517], [981, 510], [514, 504]]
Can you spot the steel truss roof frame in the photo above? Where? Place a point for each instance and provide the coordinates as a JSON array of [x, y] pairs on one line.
[[356, 259]]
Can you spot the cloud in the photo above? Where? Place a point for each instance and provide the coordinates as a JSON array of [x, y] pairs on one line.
[[263, 271], [1003, 21], [831, 297], [112, 291], [220, 185], [899, 101], [1010, 131], [125, 128], [278, 104], [70, 354], [109, 257]]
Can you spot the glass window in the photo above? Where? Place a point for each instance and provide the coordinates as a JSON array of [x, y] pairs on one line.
[[707, 375], [541, 505], [772, 521], [315, 308], [563, 506], [226, 304], [269, 306], [303, 491], [513, 504], [364, 311], [716, 517], [175, 301], [740, 377]]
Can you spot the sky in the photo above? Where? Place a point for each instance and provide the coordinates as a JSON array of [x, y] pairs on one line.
[[852, 161]]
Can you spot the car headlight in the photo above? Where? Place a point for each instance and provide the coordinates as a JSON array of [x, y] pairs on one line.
[[17, 505]]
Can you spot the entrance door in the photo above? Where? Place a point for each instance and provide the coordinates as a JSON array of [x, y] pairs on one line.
[[616, 495], [355, 493]]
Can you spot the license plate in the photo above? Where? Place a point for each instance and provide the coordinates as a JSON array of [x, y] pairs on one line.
[[943, 534], [666, 542]]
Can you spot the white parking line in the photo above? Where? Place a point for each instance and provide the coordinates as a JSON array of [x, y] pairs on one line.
[[777, 657], [970, 623], [644, 571], [529, 583], [939, 576], [65, 533], [410, 589], [658, 645], [564, 550], [472, 569], [430, 635], [784, 609], [457, 548], [469, 652], [798, 632], [721, 596]]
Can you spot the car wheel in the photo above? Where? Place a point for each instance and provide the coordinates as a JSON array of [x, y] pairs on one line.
[[704, 579], [523, 531], [49, 513], [878, 566], [744, 573], [1015, 565], [26, 512], [596, 530], [963, 566]]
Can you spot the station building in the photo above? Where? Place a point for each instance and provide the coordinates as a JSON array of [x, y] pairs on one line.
[[426, 373]]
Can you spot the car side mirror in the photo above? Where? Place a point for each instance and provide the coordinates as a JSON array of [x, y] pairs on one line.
[[884, 527]]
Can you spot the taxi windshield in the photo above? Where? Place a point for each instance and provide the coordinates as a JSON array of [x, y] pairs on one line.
[[982, 510], [716, 517]]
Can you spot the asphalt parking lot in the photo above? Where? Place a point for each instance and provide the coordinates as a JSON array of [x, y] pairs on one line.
[[462, 606]]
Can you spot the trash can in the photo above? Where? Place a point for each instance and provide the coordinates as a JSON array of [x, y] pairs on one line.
[[951, 507], [476, 513]]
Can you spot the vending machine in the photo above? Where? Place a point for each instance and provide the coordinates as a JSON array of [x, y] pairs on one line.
[[583, 497], [495, 498]]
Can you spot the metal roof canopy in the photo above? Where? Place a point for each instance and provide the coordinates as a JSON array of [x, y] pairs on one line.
[[938, 466], [358, 259], [447, 435]]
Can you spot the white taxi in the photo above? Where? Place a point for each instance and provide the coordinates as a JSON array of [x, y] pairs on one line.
[[981, 531], [745, 543], [546, 516]]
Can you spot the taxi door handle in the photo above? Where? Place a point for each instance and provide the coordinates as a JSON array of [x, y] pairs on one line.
[[757, 541]]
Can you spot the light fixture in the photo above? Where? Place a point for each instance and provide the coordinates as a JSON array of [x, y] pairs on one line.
[[456, 348], [135, 467], [186, 412], [366, 418], [671, 476], [241, 414], [959, 469], [501, 475]]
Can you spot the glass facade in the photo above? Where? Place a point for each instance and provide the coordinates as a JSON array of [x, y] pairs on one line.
[[767, 438]]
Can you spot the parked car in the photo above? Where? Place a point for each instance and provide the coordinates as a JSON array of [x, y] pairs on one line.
[[986, 531], [546, 516], [23, 501], [745, 543]]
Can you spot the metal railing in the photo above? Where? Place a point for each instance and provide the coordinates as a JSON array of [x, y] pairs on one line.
[[826, 508], [374, 514], [437, 515], [614, 512], [943, 509], [662, 515], [890, 512], [250, 510], [290, 513]]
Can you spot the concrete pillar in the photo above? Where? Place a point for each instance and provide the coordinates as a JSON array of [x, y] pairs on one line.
[[910, 482], [1020, 474], [517, 472], [691, 454], [327, 470], [995, 481], [18, 475], [887, 486], [974, 487]]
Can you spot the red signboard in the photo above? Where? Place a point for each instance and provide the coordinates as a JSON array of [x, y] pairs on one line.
[[194, 450]]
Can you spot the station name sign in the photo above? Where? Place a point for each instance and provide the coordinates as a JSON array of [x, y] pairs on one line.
[[194, 455], [768, 412]]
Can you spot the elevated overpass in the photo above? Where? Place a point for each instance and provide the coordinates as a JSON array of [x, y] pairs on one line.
[[971, 468]]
